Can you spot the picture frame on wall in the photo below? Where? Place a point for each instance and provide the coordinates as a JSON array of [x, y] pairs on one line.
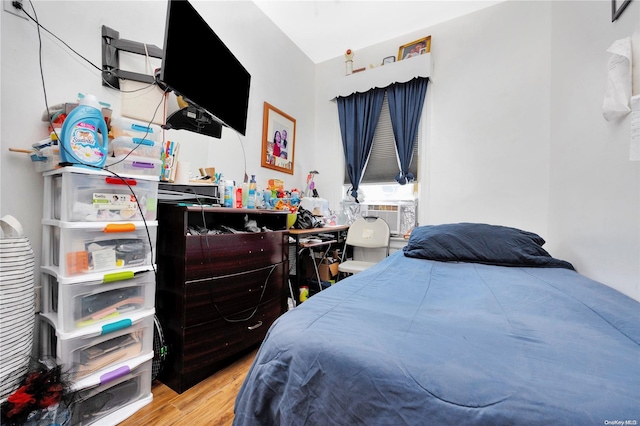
[[278, 139], [415, 48]]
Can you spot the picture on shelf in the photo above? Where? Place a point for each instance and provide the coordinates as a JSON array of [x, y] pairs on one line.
[[388, 60], [278, 139], [415, 48]]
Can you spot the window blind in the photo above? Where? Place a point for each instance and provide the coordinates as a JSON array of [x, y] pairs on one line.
[[382, 165]]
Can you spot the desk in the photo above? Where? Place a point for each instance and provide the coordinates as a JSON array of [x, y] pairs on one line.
[[330, 235]]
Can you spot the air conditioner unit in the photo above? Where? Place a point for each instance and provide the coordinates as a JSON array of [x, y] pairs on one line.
[[401, 216]]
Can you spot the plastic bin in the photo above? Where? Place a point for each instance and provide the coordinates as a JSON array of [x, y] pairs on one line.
[[91, 353], [122, 126], [116, 398], [139, 147], [134, 165], [91, 197], [45, 159], [81, 248], [97, 298]]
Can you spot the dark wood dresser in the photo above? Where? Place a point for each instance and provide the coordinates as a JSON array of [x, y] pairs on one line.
[[217, 294]]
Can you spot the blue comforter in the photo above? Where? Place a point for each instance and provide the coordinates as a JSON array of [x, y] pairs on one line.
[[421, 342]]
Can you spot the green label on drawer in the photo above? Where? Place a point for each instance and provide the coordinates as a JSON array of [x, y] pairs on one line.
[[117, 276]]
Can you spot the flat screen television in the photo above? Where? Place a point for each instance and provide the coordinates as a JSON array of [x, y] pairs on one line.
[[197, 65]]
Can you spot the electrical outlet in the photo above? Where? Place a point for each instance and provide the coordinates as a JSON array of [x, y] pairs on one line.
[[9, 7]]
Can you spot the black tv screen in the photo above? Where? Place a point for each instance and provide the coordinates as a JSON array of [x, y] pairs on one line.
[[197, 65]]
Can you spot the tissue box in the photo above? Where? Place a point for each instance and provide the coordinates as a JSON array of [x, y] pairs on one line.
[[317, 206]]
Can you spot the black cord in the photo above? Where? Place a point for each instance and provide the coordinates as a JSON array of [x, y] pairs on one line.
[[255, 310], [35, 20]]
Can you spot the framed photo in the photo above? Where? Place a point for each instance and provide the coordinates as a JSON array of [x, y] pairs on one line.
[[278, 139], [415, 48], [617, 11], [388, 60]]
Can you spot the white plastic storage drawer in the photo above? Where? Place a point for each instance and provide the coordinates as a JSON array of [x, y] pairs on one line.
[[140, 147], [122, 126], [117, 398], [81, 248], [82, 301], [88, 354], [90, 197], [134, 165]]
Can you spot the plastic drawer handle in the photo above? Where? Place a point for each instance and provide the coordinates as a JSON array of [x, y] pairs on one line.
[[141, 128], [117, 276], [119, 227], [140, 141], [142, 165], [115, 326], [115, 374], [253, 327], [120, 181]]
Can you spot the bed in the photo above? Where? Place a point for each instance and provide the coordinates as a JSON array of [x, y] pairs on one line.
[[472, 324]]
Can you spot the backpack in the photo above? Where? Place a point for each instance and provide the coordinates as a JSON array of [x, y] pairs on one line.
[[306, 220]]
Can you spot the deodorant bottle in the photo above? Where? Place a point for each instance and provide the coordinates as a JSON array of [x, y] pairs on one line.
[[228, 193]]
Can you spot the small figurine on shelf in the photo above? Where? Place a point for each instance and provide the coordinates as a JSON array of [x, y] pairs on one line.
[[348, 60], [311, 186]]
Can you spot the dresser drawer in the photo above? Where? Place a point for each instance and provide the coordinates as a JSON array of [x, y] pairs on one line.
[[214, 298], [209, 342], [217, 255]]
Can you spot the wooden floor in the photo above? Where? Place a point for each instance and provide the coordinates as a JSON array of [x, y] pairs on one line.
[[210, 402]]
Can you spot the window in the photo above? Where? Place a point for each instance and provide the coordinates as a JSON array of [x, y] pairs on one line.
[[382, 165]]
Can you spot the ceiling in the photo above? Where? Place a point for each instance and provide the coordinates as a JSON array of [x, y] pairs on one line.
[[324, 29]]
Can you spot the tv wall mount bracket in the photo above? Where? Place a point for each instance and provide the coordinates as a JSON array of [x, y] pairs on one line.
[[189, 118], [112, 45]]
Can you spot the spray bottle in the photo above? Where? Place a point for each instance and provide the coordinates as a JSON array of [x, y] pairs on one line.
[[251, 201], [245, 194], [84, 136], [228, 193]]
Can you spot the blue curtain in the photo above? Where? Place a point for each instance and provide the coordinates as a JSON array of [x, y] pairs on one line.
[[405, 106], [358, 114]]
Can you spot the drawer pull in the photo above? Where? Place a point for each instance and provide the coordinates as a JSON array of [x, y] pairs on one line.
[[253, 327], [115, 326], [120, 181], [117, 276], [120, 227], [115, 374]]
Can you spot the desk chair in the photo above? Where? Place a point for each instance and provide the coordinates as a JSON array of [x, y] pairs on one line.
[[369, 238]]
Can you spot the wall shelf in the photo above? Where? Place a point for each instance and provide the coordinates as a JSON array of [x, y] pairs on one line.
[[382, 76]]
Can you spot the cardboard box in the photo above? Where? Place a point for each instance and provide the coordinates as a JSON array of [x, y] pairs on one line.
[[328, 271]]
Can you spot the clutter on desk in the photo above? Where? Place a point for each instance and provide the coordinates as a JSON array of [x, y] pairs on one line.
[[249, 225], [307, 220]]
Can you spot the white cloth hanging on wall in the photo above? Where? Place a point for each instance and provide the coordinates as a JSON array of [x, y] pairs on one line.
[[17, 310], [618, 90]]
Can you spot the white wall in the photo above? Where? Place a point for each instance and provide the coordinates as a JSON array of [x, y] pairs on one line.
[[488, 109], [595, 189], [515, 134], [281, 75]]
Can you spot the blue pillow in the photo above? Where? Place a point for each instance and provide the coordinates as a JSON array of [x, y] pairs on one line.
[[480, 243]]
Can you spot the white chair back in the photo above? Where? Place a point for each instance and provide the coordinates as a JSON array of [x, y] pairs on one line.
[[369, 238]]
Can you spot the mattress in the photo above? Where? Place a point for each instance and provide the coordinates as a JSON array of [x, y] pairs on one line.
[[413, 341]]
